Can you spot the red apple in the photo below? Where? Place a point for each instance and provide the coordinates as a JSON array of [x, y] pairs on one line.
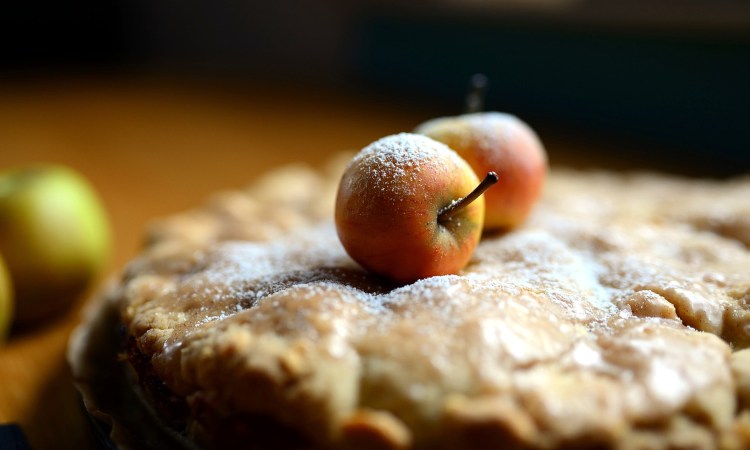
[[399, 209], [493, 141]]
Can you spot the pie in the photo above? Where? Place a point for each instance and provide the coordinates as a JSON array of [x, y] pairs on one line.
[[617, 316]]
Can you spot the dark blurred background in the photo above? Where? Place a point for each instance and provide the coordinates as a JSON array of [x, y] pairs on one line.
[[666, 80]]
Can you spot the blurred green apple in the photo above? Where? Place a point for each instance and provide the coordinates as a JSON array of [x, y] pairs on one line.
[[6, 301], [54, 236]]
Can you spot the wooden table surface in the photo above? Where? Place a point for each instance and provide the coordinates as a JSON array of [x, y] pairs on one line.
[[152, 148]]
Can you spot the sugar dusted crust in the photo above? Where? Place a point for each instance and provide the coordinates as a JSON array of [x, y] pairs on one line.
[[616, 317]]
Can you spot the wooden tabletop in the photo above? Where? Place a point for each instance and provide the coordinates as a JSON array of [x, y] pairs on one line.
[[152, 148]]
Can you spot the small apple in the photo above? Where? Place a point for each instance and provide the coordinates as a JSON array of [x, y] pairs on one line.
[[493, 141], [408, 207], [6, 301], [54, 236]]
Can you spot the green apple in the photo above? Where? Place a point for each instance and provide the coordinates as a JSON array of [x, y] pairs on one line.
[[54, 236], [6, 301]]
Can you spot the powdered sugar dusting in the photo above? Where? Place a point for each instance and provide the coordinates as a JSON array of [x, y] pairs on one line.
[[237, 274], [393, 163], [489, 130], [237, 261]]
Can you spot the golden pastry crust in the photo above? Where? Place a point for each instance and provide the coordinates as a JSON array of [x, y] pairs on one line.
[[615, 317]]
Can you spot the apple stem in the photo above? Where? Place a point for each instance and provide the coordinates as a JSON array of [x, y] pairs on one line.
[[453, 207], [476, 94]]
